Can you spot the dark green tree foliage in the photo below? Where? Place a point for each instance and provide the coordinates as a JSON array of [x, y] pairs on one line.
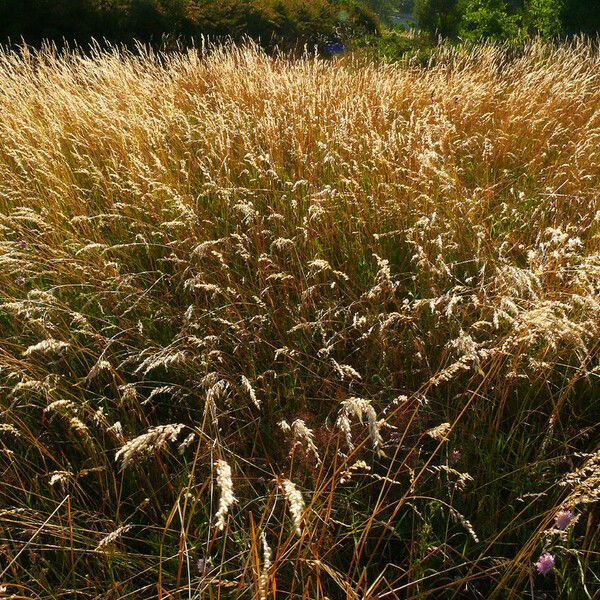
[[285, 23], [543, 17], [473, 20], [384, 8], [37, 19], [488, 19], [439, 17], [581, 16]]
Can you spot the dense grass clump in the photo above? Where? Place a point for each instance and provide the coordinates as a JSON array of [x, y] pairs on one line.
[[278, 328]]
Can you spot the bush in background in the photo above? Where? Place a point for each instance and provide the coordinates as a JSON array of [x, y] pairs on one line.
[[285, 23], [580, 16], [488, 20], [439, 17], [477, 20]]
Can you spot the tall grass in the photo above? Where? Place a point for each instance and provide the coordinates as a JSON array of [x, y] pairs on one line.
[[278, 328]]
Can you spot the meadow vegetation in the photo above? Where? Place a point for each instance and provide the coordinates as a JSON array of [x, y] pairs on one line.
[[300, 328]]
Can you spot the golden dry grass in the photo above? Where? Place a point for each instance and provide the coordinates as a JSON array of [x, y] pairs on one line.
[[299, 328]]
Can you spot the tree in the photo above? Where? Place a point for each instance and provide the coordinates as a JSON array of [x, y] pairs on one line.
[[384, 8], [544, 17], [439, 17], [488, 19], [286, 23], [581, 16]]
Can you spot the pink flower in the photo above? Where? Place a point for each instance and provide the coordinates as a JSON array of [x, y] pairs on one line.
[[201, 566], [563, 519], [455, 455], [545, 563]]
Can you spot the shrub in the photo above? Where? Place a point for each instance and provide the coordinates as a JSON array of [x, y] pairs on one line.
[[544, 17], [488, 19], [439, 17], [476, 20], [580, 16], [286, 23]]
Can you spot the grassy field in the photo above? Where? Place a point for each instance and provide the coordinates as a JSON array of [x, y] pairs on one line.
[[300, 329]]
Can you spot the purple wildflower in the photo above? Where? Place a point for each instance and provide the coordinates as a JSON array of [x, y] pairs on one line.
[[22, 244], [395, 437], [201, 566], [563, 519], [204, 565], [20, 280], [545, 563], [455, 456]]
